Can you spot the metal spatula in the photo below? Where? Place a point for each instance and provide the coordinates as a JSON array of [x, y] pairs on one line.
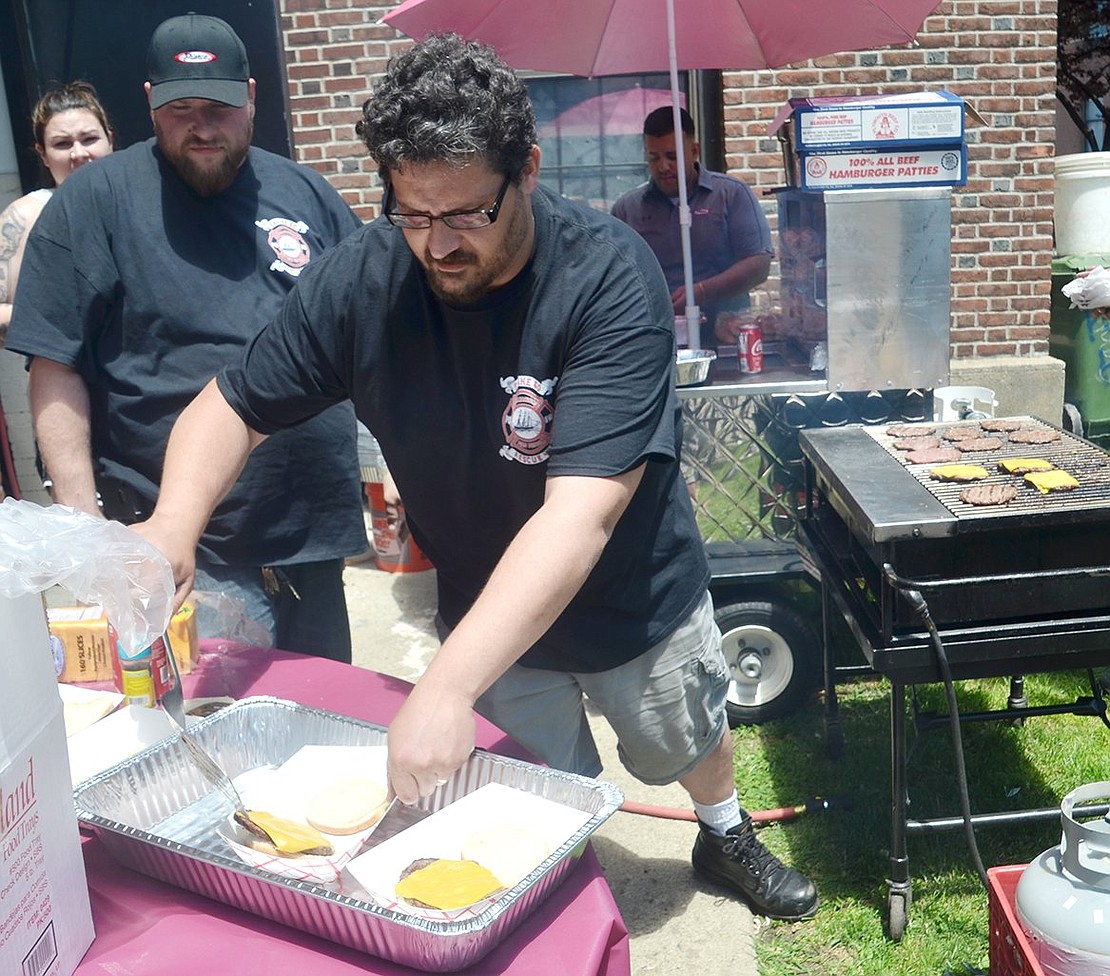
[[173, 703]]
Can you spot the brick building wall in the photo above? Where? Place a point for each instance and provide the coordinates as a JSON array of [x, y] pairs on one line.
[[999, 55]]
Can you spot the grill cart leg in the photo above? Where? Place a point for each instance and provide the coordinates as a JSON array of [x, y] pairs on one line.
[[834, 733], [1017, 699], [899, 886]]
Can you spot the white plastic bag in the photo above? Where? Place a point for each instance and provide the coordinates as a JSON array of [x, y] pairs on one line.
[[1091, 290], [97, 561]]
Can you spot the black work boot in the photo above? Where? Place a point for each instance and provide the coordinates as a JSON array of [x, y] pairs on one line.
[[738, 860]]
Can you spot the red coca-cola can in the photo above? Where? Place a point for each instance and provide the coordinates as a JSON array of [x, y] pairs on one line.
[[749, 348]]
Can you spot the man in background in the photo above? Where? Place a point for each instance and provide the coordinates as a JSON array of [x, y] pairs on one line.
[[139, 282], [730, 240]]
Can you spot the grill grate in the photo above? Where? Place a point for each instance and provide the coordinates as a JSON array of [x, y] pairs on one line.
[[1088, 464]]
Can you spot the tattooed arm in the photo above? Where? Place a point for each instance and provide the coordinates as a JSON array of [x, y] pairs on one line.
[[15, 224]]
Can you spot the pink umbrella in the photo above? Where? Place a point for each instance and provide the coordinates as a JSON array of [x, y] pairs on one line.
[[614, 113], [609, 37]]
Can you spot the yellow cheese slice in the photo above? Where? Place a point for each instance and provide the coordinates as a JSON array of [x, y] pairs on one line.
[[1010, 465], [291, 837], [958, 472], [1046, 481], [448, 884]]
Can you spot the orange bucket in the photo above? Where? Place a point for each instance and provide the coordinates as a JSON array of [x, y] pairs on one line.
[[395, 550]]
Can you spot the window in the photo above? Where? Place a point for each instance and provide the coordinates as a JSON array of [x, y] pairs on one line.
[[591, 132]]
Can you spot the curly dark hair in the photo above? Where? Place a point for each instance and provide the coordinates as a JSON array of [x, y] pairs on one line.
[[448, 100]]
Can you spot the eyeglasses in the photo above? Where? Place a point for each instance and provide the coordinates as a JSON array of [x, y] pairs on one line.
[[460, 220]]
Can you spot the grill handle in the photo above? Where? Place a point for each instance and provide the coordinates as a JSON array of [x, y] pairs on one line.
[[902, 583]]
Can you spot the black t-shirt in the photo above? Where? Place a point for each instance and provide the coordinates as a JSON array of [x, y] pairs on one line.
[[147, 289], [567, 370]]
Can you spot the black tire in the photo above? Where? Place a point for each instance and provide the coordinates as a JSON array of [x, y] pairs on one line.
[[773, 658], [897, 914]]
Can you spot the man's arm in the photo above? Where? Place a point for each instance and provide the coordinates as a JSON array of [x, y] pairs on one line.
[[737, 279], [60, 413], [541, 571], [208, 446]]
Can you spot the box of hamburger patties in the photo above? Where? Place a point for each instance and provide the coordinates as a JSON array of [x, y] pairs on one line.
[[869, 168], [45, 919], [920, 119]]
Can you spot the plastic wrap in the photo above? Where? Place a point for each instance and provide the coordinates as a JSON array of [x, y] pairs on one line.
[[97, 561], [1090, 290]]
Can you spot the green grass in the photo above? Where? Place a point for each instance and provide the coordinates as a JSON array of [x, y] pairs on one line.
[[846, 851]]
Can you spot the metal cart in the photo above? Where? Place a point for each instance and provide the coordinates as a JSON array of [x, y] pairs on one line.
[[866, 273]]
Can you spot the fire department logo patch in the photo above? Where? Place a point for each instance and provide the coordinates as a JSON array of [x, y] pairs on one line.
[[286, 240], [526, 421]]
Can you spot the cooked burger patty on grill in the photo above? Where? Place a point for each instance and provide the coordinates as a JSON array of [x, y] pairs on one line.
[[1025, 465], [988, 494], [958, 472], [961, 433], [933, 455], [979, 444], [1000, 425], [1046, 481], [915, 443], [1034, 436], [910, 430]]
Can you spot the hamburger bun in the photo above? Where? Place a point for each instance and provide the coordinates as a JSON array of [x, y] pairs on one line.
[[348, 805]]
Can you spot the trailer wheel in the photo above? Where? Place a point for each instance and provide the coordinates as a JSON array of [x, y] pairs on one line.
[[773, 660]]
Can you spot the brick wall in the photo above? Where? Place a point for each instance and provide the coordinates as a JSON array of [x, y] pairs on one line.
[[999, 55]]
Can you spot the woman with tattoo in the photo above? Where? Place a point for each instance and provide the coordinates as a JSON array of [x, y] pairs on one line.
[[71, 129]]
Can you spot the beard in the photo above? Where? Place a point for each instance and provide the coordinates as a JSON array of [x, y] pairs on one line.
[[210, 176], [468, 288]]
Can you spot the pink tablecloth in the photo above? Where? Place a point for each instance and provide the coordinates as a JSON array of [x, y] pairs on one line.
[[147, 928]]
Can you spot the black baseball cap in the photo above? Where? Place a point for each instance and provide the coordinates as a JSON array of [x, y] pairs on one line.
[[196, 57]]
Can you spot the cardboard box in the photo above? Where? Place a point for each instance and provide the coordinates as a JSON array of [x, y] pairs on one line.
[[86, 654], [868, 168], [861, 121], [45, 919]]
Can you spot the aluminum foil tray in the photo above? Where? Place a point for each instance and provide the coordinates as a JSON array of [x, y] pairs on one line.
[[156, 814]]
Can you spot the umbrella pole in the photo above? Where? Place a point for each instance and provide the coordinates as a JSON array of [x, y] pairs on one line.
[[693, 313]]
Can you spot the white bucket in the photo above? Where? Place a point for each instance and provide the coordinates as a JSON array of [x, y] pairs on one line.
[[1082, 211]]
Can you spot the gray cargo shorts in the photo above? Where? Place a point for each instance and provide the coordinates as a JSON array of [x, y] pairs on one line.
[[667, 706]]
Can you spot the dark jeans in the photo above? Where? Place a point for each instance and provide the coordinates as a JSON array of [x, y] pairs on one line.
[[307, 613], [303, 608]]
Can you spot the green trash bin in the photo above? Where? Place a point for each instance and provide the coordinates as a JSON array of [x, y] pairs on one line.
[[1082, 340]]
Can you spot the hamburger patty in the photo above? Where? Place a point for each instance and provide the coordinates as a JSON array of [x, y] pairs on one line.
[[915, 443], [1034, 436], [958, 472], [910, 430], [1000, 426], [961, 433], [1025, 465], [979, 444], [933, 455], [988, 494]]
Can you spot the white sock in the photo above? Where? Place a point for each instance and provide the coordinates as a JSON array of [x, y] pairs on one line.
[[719, 817]]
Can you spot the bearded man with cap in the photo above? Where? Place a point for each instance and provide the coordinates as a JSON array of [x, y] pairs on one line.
[[140, 281]]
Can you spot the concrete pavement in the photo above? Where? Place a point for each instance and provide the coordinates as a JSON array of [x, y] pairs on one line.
[[676, 923]]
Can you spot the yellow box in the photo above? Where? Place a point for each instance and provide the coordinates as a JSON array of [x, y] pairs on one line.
[[183, 637], [83, 632]]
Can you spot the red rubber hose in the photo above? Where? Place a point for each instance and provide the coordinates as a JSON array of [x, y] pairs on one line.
[[774, 815]]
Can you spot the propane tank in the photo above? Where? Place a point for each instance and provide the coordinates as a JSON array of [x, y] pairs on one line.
[[1063, 897]]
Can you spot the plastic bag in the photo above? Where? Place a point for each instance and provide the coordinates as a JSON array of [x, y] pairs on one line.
[[1091, 290], [97, 561]]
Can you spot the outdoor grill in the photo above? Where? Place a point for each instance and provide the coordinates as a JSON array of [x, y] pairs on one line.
[[935, 588]]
